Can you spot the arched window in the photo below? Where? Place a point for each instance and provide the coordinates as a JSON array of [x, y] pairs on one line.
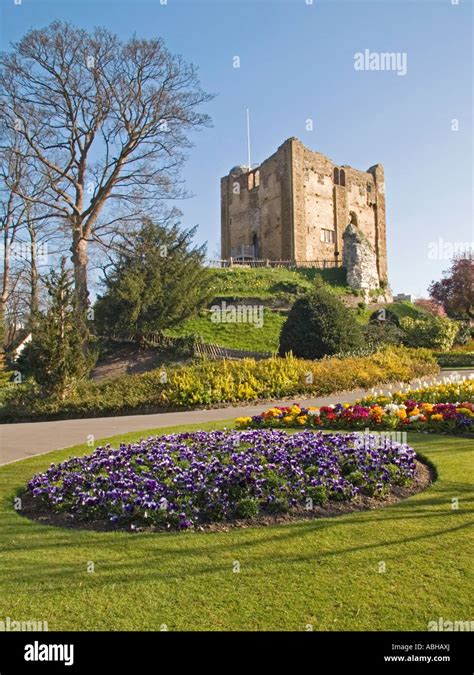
[[339, 177], [253, 179]]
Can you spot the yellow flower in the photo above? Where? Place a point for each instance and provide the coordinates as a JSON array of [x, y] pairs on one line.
[[427, 407], [401, 414], [302, 419], [466, 411], [295, 410], [437, 417], [243, 421], [415, 411], [288, 419]]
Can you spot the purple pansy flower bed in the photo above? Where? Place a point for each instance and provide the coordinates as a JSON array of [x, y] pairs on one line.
[[189, 479]]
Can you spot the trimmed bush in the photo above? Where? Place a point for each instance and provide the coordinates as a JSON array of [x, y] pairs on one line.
[[455, 359], [384, 316], [319, 325], [379, 333], [434, 333], [463, 335]]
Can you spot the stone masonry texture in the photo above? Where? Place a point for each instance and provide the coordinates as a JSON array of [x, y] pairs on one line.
[[297, 205]]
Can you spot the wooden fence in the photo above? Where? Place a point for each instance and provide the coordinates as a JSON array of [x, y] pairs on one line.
[[213, 351], [196, 348], [235, 262]]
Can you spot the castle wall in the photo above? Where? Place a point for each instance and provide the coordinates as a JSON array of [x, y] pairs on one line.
[[314, 188], [297, 210], [264, 210]]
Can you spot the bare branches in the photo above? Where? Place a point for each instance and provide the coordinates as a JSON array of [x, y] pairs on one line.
[[102, 123]]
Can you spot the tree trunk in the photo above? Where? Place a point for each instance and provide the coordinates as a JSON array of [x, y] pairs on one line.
[[34, 277], [4, 288], [80, 259], [5, 273]]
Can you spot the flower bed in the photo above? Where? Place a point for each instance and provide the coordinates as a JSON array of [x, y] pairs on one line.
[[410, 415], [449, 391], [189, 479]]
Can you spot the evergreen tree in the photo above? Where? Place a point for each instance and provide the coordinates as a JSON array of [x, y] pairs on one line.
[[156, 284], [55, 354]]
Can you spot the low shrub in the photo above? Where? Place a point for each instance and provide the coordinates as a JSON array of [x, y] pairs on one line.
[[207, 383], [384, 316], [463, 336], [185, 480], [379, 333], [468, 347], [455, 359], [433, 333]]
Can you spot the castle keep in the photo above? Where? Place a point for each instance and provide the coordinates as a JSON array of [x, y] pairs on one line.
[[298, 206]]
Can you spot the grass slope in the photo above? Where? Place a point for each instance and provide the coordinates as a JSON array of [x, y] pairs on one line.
[[237, 335], [272, 286], [268, 283], [323, 572]]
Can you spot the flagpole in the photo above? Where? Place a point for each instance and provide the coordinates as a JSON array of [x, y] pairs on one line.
[[248, 137]]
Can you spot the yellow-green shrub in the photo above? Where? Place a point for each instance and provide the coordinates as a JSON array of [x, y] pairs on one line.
[[206, 383]]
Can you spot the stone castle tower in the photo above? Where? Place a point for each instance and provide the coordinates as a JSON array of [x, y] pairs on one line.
[[298, 206]]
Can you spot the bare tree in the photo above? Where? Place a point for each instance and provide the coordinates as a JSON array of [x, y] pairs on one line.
[[26, 227], [12, 210], [105, 124]]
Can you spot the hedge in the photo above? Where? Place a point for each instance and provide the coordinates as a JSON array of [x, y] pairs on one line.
[[455, 359]]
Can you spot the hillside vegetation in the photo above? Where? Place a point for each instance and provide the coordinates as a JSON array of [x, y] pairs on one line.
[[272, 283], [276, 289], [213, 383]]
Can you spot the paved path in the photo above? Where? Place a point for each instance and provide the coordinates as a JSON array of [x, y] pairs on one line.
[[18, 441]]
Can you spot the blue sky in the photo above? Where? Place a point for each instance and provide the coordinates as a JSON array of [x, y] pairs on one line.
[[297, 63]]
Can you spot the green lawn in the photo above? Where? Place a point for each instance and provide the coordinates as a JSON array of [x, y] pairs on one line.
[[323, 572], [237, 335], [268, 283], [275, 286]]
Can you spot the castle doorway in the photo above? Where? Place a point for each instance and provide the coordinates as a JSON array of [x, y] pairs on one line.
[[256, 246]]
